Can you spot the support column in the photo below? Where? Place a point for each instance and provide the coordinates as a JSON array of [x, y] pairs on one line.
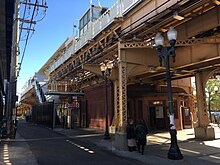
[[122, 97], [120, 136], [116, 101], [115, 121], [203, 131]]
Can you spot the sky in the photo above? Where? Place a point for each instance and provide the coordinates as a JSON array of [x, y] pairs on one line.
[[50, 33]]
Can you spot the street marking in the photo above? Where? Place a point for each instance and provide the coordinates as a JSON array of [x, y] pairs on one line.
[[199, 153], [6, 155], [81, 147], [194, 152], [215, 157], [89, 135], [30, 140]]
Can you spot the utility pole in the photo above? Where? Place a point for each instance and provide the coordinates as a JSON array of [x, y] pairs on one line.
[[34, 8], [14, 68]]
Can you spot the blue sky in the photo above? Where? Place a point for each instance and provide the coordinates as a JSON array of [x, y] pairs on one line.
[[51, 32]]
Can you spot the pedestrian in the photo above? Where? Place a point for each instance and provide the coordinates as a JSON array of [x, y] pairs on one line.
[[15, 127], [141, 132], [130, 130]]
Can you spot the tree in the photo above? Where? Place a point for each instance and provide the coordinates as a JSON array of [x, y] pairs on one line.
[[212, 93]]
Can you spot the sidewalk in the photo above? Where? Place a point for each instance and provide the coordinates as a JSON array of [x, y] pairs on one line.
[[194, 152]]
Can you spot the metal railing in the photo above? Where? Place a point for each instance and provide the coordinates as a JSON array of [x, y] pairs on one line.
[[94, 28]]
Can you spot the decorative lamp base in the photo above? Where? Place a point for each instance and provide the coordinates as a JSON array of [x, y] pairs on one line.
[[106, 136], [174, 151]]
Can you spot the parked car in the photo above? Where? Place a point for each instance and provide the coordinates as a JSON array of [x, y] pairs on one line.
[[216, 116]]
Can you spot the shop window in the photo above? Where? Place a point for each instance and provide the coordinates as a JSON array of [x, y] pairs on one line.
[[159, 112]]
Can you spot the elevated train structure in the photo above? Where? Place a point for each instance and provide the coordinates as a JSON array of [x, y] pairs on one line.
[[124, 35]]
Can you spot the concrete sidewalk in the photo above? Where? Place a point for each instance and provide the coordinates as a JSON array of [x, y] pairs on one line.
[[17, 152]]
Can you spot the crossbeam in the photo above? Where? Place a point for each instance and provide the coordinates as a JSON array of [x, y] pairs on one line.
[[179, 43]]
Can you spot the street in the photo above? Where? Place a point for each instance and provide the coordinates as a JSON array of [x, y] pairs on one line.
[[51, 148], [38, 145]]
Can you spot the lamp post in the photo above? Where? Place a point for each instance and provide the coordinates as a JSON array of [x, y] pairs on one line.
[[106, 68], [165, 52]]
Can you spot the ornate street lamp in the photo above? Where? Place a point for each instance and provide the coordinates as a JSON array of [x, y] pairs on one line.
[[165, 52], [106, 68]]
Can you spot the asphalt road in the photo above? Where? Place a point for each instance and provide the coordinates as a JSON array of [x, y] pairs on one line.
[[51, 148]]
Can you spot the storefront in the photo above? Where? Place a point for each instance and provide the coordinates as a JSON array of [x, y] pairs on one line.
[[151, 105]]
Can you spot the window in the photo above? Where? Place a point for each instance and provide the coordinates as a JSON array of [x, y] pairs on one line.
[[83, 23]]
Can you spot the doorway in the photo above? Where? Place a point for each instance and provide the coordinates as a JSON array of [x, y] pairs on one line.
[[157, 117], [186, 118]]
